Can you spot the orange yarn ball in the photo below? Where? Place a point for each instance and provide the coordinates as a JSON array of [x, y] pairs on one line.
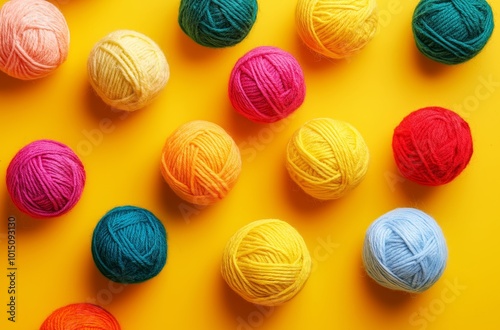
[[34, 38], [200, 162], [82, 316]]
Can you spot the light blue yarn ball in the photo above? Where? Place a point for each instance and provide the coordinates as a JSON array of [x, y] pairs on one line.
[[405, 250], [129, 245]]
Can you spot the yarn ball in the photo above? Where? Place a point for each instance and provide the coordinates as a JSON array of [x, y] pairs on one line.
[[34, 38], [266, 85], [217, 23], [336, 28], [200, 162], [405, 250], [127, 70], [81, 316], [266, 262], [129, 245], [327, 158], [452, 31], [432, 146], [45, 179]]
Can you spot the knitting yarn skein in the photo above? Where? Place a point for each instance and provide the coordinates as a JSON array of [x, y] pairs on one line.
[[129, 245], [80, 316], [336, 28], [432, 146], [327, 158], [127, 69], [217, 23], [200, 162], [45, 179], [266, 262], [266, 84], [405, 250], [452, 31], [34, 38]]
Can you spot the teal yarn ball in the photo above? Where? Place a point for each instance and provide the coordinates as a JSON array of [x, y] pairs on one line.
[[452, 31], [217, 23], [405, 250], [129, 245]]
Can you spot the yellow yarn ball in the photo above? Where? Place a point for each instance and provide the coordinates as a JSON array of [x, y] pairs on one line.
[[336, 28], [200, 162], [266, 262], [127, 70], [327, 158]]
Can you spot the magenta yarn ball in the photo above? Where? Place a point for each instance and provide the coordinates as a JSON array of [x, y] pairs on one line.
[[45, 179], [266, 85]]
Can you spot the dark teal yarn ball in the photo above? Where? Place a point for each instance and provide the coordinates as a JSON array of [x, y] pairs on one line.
[[129, 245], [217, 23], [452, 31]]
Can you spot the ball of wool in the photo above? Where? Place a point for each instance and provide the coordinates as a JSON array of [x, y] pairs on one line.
[[327, 158], [336, 28], [266, 85], [452, 31], [129, 245], [34, 38], [432, 146], [80, 316], [200, 162], [405, 250], [266, 262], [127, 69], [45, 179], [217, 23]]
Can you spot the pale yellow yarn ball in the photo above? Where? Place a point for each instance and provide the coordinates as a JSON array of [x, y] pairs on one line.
[[327, 158], [336, 28], [266, 262], [127, 70]]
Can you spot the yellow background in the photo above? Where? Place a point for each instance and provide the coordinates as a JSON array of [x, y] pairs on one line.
[[373, 91]]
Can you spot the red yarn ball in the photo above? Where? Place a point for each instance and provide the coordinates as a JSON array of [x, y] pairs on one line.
[[432, 146], [266, 85], [82, 316]]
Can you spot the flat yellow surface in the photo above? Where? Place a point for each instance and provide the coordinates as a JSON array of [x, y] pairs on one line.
[[373, 91]]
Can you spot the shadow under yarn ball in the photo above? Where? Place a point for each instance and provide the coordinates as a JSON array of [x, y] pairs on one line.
[[45, 179], [80, 316], [127, 69], [336, 28], [266, 85], [129, 245], [327, 158], [217, 23], [405, 250], [34, 38], [200, 162], [266, 262], [432, 146], [452, 31]]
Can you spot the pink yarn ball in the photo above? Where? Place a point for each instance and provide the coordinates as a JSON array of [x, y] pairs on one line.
[[266, 85], [34, 38], [45, 179]]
